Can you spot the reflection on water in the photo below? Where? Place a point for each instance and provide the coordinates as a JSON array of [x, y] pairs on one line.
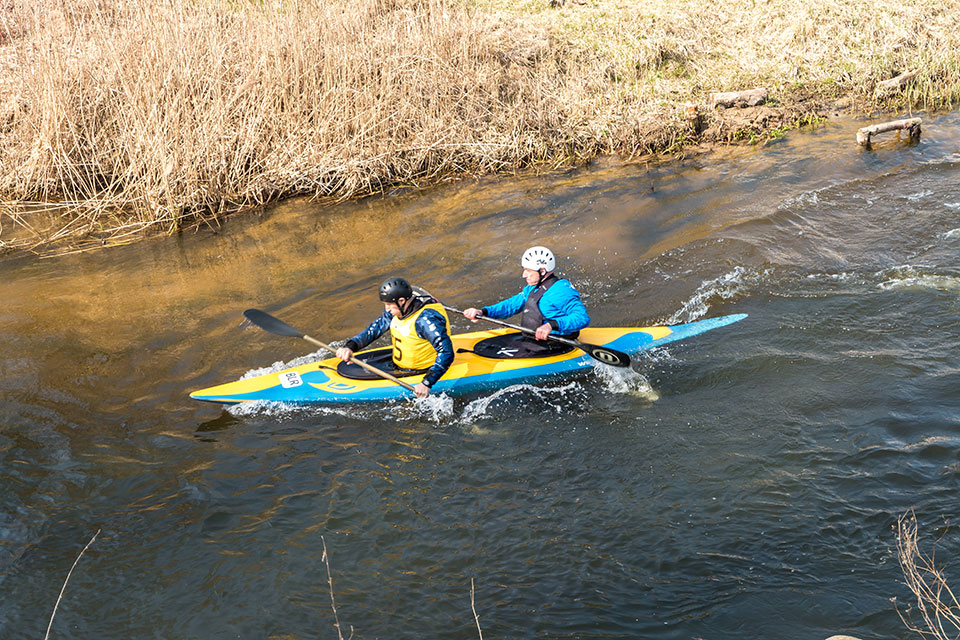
[[744, 481]]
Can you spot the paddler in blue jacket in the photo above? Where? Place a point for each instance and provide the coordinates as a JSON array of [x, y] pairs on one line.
[[550, 304], [419, 329]]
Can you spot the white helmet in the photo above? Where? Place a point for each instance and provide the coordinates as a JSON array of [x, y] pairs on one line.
[[536, 258]]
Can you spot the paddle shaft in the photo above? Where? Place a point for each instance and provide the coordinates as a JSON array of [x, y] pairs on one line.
[[276, 326], [608, 356], [532, 332], [370, 368]]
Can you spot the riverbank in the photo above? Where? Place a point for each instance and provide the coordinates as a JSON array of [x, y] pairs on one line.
[[123, 121]]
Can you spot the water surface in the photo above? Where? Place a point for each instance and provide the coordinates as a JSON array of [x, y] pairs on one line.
[[744, 482]]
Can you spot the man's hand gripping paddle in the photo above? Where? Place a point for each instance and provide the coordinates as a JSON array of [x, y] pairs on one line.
[[605, 355], [274, 325]]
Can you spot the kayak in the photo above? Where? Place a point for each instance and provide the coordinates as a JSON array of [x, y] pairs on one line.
[[483, 360]]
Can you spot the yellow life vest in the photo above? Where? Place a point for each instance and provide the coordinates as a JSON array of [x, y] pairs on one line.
[[410, 351]]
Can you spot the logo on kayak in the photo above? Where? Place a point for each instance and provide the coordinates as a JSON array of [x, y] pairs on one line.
[[290, 379], [507, 353]]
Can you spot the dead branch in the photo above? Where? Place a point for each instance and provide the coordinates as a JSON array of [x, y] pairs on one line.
[[474, 609], [333, 603], [912, 125], [64, 587], [896, 83], [936, 603]]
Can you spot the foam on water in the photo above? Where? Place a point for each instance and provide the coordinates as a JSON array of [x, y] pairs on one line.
[[843, 276], [913, 277], [435, 408], [477, 409], [916, 196], [281, 410], [724, 287], [319, 354], [626, 381], [442, 409]]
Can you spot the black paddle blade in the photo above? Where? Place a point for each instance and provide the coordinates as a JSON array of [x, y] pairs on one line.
[[608, 356], [268, 323]]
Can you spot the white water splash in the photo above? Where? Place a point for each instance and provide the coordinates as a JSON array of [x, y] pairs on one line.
[[320, 354], [724, 287], [953, 233], [626, 381], [952, 205], [906, 277], [276, 409], [843, 276], [477, 409], [435, 408]]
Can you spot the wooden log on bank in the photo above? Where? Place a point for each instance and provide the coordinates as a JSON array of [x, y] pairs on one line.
[[749, 98], [910, 124], [896, 83]]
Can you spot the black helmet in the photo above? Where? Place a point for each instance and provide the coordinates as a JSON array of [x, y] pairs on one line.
[[394, 289]]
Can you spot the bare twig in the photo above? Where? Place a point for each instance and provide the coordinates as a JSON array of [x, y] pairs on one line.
[[333, 603], [64, 587], [474, 608], [937, 604]]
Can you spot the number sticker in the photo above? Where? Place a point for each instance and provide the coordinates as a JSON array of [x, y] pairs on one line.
[[290, 379]]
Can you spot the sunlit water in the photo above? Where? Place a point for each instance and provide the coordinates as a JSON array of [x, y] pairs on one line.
[[743, 483]]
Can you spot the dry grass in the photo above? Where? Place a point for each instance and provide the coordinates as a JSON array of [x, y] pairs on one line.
[[936, 605], [153, 114]]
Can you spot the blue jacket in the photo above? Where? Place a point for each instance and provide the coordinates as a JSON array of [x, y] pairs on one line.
[[560, 305], [430, 326]]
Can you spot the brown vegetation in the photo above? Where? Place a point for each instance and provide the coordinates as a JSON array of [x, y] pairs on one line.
[[121, 117], [936, 605]]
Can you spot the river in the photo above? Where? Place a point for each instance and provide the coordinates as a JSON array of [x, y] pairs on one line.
[[743, 483]]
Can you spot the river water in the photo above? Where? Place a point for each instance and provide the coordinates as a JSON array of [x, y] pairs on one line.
[[743, 483]]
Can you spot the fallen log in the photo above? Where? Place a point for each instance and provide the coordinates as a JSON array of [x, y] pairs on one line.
[[749, 98], [896, 83], [910, 124]]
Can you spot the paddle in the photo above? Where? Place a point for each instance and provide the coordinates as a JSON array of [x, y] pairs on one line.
[[274, 325], [603, 354]]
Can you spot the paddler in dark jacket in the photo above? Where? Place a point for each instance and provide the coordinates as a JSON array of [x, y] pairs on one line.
[[550, 304], [419, 329]]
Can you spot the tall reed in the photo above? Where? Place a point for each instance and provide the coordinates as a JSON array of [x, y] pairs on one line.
[[134, 114]]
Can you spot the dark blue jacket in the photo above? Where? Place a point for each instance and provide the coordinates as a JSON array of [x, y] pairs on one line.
[[430, 326], [560, 305]]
